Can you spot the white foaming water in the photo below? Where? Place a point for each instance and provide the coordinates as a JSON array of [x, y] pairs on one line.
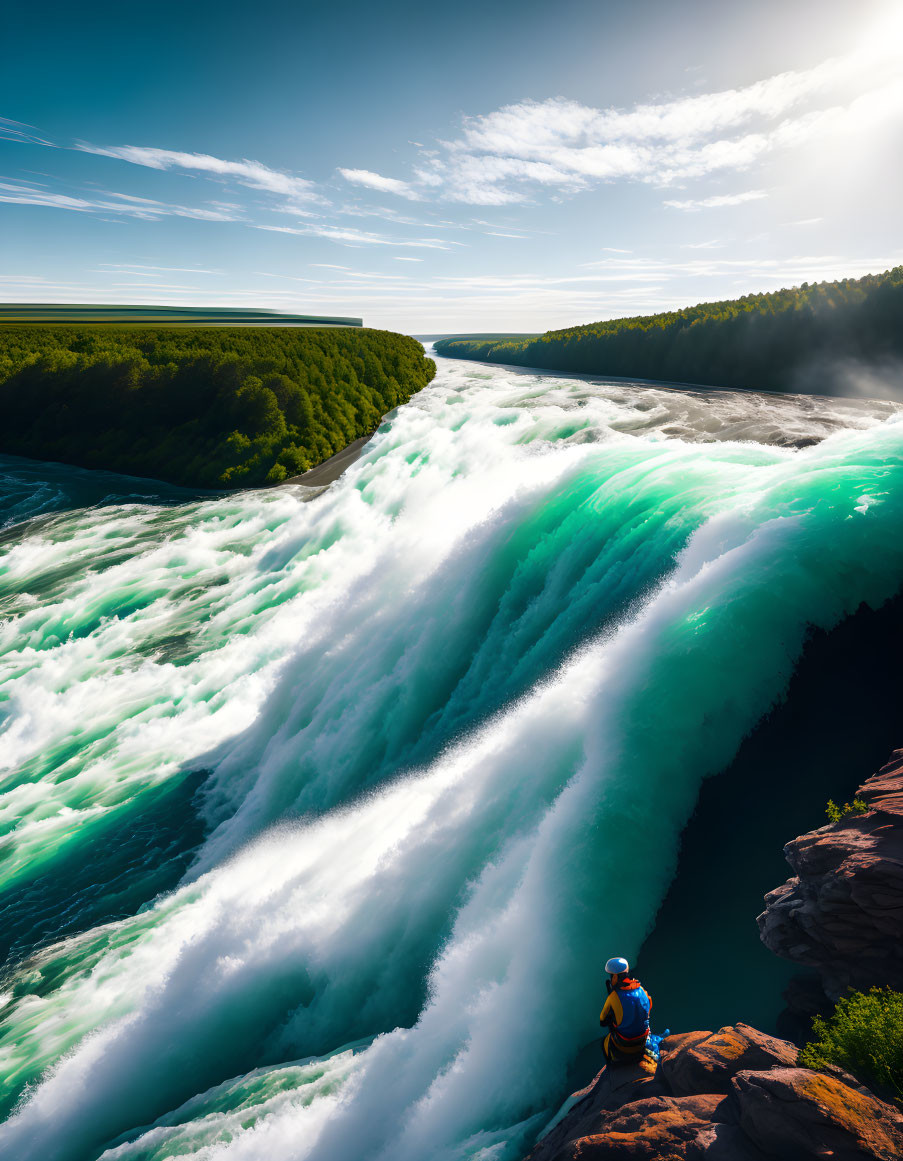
[[456, 709]]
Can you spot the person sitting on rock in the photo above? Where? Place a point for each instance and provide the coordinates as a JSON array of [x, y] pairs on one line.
[[626, 1014]]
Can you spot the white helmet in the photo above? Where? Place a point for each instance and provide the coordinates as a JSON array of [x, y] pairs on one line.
[[617, 966]]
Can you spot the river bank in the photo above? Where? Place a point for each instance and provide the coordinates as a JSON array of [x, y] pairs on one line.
[[330, 470]]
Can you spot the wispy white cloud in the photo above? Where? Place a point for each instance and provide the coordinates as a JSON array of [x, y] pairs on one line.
[[374, 275], [562, 146], [567, 144], [118, 267], [351, 237], [376, 181], [295, 210], [718, 201], [494, 180], [399, 258], [353, 211], [535, 127], [430, 174], [155, 287], [25, 134], [19, 194], [253, 174], [288, 277], [746, 271]]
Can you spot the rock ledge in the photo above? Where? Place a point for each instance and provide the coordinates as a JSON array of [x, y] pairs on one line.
[[842, 912], [732, 1095]]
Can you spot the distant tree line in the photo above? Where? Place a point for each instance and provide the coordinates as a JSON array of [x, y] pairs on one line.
[[788, 340], [209, 408]]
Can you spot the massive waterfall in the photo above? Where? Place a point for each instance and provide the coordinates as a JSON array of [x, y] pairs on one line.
[[322, 808]]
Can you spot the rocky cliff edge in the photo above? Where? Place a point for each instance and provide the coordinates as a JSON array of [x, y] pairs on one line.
[[737, 1094], [842, 912], [731, 1095]]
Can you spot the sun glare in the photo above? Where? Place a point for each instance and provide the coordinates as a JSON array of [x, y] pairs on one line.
[[882, 39]]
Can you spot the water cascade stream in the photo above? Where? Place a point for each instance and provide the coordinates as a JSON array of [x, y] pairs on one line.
[[340, 797]]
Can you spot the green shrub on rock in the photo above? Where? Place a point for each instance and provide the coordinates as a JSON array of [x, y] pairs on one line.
[[835, 813], [864, 1036]]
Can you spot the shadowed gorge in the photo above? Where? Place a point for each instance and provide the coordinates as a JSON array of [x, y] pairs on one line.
[[840, 718]]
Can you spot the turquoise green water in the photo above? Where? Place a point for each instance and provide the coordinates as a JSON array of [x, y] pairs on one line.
[[341, 798]]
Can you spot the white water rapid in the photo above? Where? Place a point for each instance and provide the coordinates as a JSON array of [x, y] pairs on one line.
[[341, 797]]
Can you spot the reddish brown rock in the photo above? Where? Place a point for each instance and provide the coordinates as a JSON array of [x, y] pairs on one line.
[[842, 913], [681, 1040], [792, 1113], [706, 1104], [661, 1128], [707, 1061], [666, 1129], [610, 1089], [884, 791]]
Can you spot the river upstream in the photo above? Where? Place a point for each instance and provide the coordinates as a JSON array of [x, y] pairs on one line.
[[322, 808]]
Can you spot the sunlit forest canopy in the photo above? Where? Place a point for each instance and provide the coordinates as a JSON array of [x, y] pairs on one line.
[[788, 340], [209, 408]]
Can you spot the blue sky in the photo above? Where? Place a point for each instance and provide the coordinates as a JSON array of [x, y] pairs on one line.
[[489, 166]]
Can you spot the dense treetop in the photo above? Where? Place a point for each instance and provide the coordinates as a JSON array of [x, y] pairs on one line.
[[789, 340], [210, 408]]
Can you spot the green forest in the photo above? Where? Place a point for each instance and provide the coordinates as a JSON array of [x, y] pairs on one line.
[[205, 408], [788, 340]]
